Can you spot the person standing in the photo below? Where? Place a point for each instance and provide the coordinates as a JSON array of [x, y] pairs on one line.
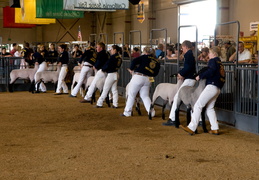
[[111, 68], [15, 46], [141, 68], [187, 75], [39, 60], [215, 79], [62, 61], [101, 59], [87, 60]]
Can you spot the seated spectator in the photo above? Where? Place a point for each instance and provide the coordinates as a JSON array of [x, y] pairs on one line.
[[135, 53], [244, 56], [160, 51], [204, 56]]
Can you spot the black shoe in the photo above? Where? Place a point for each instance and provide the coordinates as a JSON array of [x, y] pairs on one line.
[[114, 107], [98, 106], [72, 96], [169, 123]]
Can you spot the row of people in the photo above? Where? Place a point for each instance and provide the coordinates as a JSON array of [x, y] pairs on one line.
[[147, 66]]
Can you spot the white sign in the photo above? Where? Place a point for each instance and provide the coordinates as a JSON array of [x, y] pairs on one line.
[[95, 5], [254, 26]]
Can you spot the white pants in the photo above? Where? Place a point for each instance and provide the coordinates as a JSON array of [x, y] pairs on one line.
[[85, 73], [137, 84], [100, 74], [208, 97], [186, 82], [110, 83], [42, 67], [61, 80]]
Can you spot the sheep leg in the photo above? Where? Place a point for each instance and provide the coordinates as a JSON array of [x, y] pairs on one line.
[[163, 110], [10, 87], [32, 87], [107, 100], [177, 120], [138, 108], [203, 120], [150, 111], [93, 97]]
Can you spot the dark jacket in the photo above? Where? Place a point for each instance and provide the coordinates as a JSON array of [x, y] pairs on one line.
[[215, 74], [189, 68]]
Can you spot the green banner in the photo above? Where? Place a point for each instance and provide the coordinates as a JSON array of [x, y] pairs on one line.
[[54, 9]]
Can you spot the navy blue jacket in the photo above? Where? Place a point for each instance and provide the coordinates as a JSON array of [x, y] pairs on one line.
[[89, 56], [215, 74], [189, 68], [148, 65], [102, 58], [113, 64], [63, 57]]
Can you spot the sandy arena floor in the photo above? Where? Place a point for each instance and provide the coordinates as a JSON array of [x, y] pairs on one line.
[[55, 137]]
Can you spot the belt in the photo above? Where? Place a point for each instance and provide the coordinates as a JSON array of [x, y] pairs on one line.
[[88, 66], [140, 74]]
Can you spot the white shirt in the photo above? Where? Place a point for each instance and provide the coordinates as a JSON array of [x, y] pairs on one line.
[[244, 55]]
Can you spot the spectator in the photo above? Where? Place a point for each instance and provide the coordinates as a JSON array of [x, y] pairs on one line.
[[160, 51], [244, 56], [14, 49], [230, 50], [204, 56], [135, 53]]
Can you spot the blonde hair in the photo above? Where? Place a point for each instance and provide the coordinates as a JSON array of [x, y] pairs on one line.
[[216, 50], [149, 50]]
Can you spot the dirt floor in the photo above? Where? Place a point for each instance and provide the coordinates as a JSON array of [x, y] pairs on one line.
[[55, 137]]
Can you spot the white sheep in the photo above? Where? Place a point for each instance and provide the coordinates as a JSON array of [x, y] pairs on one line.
[[99, 85], [47, 76], [189, 95], [22, 74], [166, 91]]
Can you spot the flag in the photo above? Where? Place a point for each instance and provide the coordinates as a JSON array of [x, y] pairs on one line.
[[79, 36]]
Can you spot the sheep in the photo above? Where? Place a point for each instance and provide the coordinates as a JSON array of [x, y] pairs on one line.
[[22, 74], [167, 92], [99, 85], [47, 76], [189, 95], [76, 77]]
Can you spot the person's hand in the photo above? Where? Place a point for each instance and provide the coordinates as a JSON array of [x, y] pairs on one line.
[[197, 78], [180, 77], [130, 71]]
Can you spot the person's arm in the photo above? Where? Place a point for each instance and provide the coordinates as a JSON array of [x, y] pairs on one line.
[[233, 57]]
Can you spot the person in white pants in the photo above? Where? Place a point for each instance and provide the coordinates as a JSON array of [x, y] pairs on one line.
[[141, 68], [215, 79], [87, 60], [186, 74], [111, 68], [63, 59], [101, 59]]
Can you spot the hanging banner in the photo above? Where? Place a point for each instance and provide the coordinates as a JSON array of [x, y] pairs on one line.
[[141, 14], [8, 19], [27, 14], [54, 9], [96, 5]]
